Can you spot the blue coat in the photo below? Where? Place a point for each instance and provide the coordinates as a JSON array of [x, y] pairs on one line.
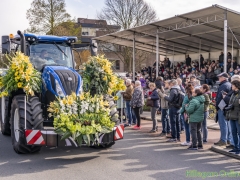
[[224, 86], [155, 97]]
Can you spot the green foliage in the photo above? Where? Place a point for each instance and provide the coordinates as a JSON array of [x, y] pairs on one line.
[[45, 15], [69, 28]]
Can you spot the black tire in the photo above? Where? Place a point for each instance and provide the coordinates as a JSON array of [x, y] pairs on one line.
[[34, 121], [4, 117], [103, 146]]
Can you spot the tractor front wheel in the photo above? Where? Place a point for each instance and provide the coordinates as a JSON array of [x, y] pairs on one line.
[[4, 117], [34, 120]]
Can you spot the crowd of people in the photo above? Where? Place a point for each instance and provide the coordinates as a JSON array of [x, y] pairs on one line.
[[205, 71], [184, 105]]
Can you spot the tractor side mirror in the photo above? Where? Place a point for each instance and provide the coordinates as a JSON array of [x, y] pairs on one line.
[[6, 48]]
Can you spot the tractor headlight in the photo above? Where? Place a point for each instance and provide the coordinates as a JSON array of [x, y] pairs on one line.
[[59, 89]]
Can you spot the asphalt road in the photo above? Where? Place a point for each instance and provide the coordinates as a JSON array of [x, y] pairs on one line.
[[139, 156]]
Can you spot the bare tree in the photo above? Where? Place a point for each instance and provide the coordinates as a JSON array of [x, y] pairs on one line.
[[128, 14], [45, 15]]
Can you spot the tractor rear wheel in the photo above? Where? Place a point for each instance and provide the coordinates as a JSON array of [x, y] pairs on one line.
[[34, 120], [4, 118]]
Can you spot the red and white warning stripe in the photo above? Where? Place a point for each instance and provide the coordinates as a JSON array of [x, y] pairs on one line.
[[34, 137], [119, 132]]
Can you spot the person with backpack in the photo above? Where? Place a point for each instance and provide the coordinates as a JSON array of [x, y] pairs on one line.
[[175, 100], [195, 109]]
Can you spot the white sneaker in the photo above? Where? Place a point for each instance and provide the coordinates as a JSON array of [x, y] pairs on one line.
[[186, 144]]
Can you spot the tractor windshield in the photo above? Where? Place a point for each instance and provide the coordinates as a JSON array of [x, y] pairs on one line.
[[42, 54]]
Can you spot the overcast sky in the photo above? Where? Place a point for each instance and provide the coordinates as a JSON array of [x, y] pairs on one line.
[[13, 12]]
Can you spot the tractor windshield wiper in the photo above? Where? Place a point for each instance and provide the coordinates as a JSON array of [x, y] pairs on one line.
[[60, 49]]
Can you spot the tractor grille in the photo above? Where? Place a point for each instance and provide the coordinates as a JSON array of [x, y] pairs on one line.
[[68, 85]]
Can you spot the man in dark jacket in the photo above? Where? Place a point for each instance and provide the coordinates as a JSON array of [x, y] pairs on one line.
[[221, 57], [188, 61], [225, 130], [173, 110]]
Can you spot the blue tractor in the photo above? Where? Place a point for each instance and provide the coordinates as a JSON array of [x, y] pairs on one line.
[[27, 121]]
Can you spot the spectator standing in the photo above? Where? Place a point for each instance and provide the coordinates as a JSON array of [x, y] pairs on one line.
[[188, 61], [173, 100], [201, 78], [137, 102], [187, 98], [155, 98], [159, 82], [221, 58], [195, 109], [210, 77], [201, 61], [232, 115], [164, 91], [207, 95], [127, 96], [225, 129], [142, 80], [229, 55], [181, 115]]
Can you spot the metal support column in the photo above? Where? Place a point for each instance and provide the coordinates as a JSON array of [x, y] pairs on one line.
[[232, 53], [200, 46], [173, 57], [157, 53], [133, 74], [225, 42]]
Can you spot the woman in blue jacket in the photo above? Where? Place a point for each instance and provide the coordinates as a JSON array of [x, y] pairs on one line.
[[155, 98]]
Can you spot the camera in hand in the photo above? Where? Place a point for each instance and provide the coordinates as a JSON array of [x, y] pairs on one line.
[[229, 107]]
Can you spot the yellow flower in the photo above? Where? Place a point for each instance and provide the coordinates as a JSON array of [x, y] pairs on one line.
[[115, 98], [19, 85], [82, 96], [27, 78], [105, 78]]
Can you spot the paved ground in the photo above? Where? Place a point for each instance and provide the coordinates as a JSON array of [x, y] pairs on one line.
[[139, 156], [210, 122]]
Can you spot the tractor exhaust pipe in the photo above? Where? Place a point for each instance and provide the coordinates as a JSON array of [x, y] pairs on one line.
[[22, 40]]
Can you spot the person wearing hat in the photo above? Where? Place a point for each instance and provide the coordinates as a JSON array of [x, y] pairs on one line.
[[225, 129]]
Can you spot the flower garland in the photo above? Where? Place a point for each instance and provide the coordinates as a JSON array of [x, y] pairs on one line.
[[20, 75], [81, 117], [98, 74]]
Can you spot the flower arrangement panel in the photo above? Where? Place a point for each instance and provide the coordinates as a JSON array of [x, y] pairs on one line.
[[81, 117], [20, 75], [98, 75]]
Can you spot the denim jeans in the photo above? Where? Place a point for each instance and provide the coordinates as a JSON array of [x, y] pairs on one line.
[[133, 117], [235, 127], [225, 129], [129, 112], [204, 127], [165, 121], [174, 120], [187, 128], [182, 123]]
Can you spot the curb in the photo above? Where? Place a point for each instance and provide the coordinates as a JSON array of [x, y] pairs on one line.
[[149, 119], [220, 150]]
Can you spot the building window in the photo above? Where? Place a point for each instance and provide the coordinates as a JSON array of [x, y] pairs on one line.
[[115, 64], [85, 33]]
